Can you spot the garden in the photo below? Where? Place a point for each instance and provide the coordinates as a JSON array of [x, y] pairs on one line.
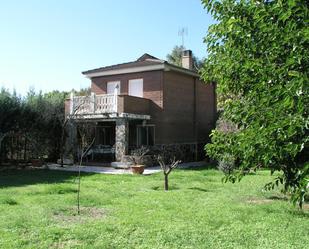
[[38, 210]]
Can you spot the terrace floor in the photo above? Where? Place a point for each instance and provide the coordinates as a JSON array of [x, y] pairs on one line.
[[107, 169]]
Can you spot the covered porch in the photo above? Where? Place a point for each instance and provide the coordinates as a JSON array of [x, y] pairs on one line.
[[116, 137], [117, 122]]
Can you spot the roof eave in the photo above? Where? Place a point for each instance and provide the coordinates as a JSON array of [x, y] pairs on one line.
[[171, 67], [163, 66], [124, 71]]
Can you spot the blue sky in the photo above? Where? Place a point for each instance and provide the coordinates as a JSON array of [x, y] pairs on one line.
[[46, 44]]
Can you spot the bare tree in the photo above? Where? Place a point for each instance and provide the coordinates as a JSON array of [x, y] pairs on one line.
[[72, 116], [138, 154], [85, 146], [167, 168], [86, 139]]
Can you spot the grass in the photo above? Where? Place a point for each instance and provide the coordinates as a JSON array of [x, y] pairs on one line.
[[38, 210]]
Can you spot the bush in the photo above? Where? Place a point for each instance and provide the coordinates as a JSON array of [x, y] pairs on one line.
[[227, 164]]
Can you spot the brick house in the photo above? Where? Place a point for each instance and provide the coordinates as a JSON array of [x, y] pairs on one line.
[[148, 102]]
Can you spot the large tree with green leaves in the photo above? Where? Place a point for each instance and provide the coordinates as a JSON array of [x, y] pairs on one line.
[[176, 54], [37, 118], [259, 57], [9, 113], [45, 129]]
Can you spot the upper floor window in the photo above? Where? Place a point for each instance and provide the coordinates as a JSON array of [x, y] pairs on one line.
[[112, 87], [136, 88]]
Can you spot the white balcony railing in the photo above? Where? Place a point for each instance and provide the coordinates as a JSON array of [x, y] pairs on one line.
[[93, 104]]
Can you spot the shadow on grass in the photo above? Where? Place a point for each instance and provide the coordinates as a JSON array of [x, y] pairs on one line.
[[277, 198], [300, 213], [16, 178], [160, 188], [199, 168], [200, 189]]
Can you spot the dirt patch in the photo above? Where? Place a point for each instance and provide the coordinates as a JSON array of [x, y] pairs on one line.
[[306, 206], [258, 201], [70, 215], [266, 199], [278, 198], [66, 244]]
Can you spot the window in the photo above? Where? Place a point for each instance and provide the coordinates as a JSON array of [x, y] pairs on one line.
[[112, 86], [136, 88], [145, 135]]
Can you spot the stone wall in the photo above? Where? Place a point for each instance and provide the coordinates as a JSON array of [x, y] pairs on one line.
[[186, 152], [122, 138], [183, 152]]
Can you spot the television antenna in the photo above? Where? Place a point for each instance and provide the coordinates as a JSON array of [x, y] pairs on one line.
[[183, 32]]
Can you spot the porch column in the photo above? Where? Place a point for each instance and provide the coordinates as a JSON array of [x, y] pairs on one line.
[[122, 138]]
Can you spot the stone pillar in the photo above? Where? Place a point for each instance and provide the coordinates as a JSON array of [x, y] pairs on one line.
[[122, 138]]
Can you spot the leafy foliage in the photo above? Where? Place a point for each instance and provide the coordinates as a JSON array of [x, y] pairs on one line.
[[258, 55], [37, 118], [9, 111], [175, 57]]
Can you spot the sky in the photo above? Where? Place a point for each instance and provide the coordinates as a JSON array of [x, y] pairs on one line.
[[45, 45]]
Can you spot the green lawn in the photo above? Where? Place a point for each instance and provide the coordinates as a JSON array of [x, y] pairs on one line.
[[37, 210]]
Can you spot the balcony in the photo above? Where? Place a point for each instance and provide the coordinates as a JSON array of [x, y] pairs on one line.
[[107, 106]]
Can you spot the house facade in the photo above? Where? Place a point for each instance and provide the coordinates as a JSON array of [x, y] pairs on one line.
[[148, 102]]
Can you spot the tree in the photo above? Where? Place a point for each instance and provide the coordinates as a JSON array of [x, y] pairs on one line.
[[258, 51], [44, 125], [33, 121], [9, 113], [175, 57], [83, 91], [167, 167], [86, 141], [55, 118]]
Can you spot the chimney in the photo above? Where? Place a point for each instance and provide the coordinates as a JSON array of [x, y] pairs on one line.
[[186, 59]]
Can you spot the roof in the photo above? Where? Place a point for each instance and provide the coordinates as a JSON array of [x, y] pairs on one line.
[[146, 62], [146, 56]]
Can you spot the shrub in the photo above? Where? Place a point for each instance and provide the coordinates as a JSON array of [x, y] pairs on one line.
[[227, 164]]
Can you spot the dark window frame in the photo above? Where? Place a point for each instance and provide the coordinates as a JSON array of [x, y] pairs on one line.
[[138, 141]]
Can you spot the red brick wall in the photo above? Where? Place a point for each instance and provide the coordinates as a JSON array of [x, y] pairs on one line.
[[206, 110], [175, 124], [132, 104], [183, 108], [152, 83], [189, 110]]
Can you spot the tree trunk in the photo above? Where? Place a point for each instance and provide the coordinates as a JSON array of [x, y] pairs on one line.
[[78, 186], [61, 146], [2, 136], [25, 149], [165, 182]]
